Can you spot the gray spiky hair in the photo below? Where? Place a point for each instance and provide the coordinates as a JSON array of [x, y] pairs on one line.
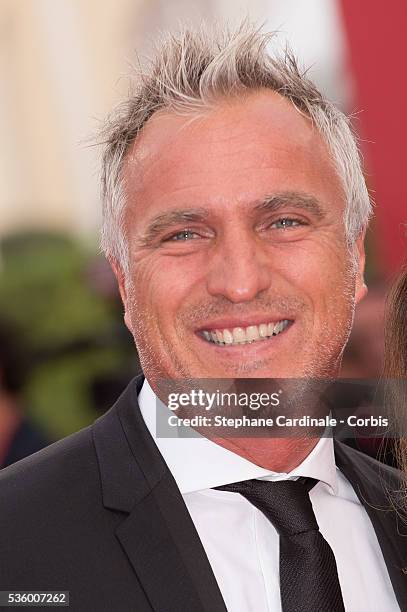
[[191, 72]]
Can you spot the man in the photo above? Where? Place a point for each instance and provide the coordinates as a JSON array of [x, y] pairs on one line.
[[235, 212]]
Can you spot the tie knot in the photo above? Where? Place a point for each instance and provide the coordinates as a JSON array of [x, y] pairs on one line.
[[285, 503]]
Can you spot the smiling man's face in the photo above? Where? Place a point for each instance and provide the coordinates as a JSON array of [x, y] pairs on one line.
[[238, 258]]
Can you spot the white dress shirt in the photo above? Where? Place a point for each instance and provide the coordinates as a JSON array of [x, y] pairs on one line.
[[243, 546]]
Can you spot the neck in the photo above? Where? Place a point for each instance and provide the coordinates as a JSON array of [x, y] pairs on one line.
[[274, 454]]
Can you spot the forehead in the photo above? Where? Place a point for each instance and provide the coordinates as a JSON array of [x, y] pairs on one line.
[[237, 152]]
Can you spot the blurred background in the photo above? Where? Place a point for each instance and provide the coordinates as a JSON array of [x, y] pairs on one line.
[[64, 351]]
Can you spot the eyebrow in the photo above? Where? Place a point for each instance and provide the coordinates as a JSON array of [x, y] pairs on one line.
[[272, 203], [299, 200], [164, 221]]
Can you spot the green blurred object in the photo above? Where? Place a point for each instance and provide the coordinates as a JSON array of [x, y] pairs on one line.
[[67, 327]]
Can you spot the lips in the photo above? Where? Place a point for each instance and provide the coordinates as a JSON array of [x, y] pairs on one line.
[[245, 335]]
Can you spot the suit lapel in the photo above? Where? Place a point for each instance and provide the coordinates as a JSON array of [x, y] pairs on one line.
[[373, 484], [158, 535]]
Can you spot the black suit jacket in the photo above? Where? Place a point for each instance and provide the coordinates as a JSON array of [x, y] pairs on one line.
[[100, 515], [26, 441]]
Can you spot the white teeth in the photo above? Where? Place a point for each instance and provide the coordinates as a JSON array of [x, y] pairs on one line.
[[284, 325], [263, 330], [240, 335], [227, 337], [219, 335], [252, 333]]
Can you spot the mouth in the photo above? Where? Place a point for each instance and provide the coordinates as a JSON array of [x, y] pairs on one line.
[[232, 336]]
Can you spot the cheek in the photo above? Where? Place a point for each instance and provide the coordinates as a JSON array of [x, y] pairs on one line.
[[161, 287], [324, 275]]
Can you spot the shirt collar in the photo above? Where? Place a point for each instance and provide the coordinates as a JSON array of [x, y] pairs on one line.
[[197, 463]]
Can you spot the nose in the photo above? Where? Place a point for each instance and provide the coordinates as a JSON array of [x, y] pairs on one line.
[[239, 268]]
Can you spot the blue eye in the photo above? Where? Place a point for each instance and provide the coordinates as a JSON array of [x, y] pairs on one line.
[[183, 236], [286, 223]]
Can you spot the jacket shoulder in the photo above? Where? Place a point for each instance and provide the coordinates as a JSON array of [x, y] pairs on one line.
[[383, 482], [62, 466]]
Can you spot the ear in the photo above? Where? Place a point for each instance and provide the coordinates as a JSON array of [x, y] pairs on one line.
[[360, 287], [121, 281]]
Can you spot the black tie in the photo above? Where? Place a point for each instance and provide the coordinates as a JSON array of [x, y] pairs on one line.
[[308, 575]]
